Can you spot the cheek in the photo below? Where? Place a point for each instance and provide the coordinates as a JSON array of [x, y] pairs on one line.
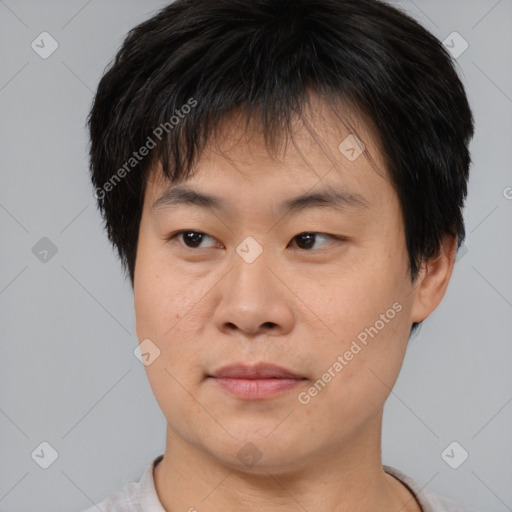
[[368, 325], [166, 311], [162, 306], [147, 295], [169, 306], [351, 302], [357, 372], [159, 295]]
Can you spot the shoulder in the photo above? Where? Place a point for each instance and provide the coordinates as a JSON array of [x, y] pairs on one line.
[[429, 501], [440, 503], [135, 496], [122, 501]]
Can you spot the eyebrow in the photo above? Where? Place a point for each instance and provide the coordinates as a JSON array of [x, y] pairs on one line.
[[327, 197]]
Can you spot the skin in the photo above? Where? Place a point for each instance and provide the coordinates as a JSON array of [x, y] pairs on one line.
[[204, 306]]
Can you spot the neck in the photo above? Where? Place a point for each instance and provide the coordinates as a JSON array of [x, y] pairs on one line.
[[348, 478]]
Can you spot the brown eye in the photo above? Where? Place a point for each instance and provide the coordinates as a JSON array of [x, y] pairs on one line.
[[307, 240], [190, 239]]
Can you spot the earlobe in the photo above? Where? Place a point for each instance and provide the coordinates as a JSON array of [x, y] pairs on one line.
[[433, 279]]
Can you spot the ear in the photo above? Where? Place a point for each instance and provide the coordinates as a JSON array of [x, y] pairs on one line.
[[433, 279]]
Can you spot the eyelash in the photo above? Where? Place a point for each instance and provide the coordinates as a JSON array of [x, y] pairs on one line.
[[174, 235]]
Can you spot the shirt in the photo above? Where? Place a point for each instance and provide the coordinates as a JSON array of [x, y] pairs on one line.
[[141, 496]]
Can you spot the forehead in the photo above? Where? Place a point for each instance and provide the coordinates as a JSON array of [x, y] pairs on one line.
[[327, 147]]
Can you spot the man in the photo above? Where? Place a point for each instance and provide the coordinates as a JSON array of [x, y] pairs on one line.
[[283, 182]]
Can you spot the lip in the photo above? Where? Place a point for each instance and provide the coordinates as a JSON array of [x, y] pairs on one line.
[[256, 382], [257, 371]]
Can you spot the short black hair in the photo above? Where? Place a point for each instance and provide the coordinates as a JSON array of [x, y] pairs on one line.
[[179, 74]]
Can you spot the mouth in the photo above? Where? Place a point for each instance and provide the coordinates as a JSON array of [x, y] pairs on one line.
[[256, 382]]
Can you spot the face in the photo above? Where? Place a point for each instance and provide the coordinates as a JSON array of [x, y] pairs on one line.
[[317, 287]]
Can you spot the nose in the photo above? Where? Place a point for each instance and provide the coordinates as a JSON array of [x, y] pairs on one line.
[[255, 298]]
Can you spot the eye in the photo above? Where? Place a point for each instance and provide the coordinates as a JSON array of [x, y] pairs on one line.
[[192, 239], [307, 240]]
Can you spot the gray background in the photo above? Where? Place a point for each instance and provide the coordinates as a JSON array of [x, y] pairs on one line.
[[68, 375]]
